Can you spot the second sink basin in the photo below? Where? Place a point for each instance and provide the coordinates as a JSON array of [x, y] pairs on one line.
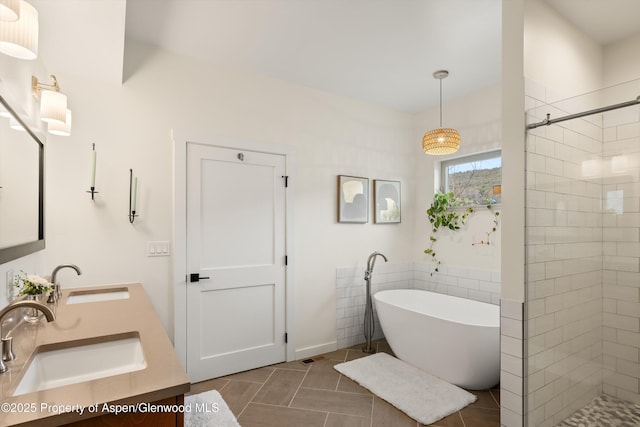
[[84, 360], [94, 295]]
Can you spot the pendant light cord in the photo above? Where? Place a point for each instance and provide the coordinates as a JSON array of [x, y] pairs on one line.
[[441, 103]]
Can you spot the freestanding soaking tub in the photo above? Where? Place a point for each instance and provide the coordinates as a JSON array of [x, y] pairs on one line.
[[453, 338]]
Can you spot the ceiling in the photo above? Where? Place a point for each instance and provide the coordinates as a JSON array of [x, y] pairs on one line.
[[605, 21], [378, 51]]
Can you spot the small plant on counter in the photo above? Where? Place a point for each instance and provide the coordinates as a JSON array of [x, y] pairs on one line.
[[30, 284], [441, 216]]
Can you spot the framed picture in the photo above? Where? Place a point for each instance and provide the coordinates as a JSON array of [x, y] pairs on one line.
[[386, 200], [353, 199]]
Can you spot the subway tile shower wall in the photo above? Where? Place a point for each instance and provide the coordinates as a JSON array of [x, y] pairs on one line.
[[564, 260], [350, 291]]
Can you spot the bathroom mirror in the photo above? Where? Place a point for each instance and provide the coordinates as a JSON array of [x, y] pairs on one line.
[[21, 187]]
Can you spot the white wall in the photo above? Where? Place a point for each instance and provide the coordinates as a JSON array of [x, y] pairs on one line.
[[477, 118], [621, 61], [131, 125], [557, 55], [330, 135]]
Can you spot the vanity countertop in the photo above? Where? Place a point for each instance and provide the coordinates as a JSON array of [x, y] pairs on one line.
[[163, 377]]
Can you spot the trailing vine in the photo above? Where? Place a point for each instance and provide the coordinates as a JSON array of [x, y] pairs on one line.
[[441, 215], [496, 217]]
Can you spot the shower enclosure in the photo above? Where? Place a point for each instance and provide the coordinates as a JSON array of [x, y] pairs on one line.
[[582, 302]]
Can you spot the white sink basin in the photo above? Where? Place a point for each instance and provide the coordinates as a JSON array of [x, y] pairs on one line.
[[79, 297], [81, 361]]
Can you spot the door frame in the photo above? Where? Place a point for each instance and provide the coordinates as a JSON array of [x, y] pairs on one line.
[[178, 290]]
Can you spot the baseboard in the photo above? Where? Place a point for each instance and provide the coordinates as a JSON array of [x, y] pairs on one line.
[[315, 350]]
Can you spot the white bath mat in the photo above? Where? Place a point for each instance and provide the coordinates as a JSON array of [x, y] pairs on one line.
[[208, 409], [420, 395]]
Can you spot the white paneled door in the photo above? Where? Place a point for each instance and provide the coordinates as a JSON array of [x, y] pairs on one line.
[[235, 260]]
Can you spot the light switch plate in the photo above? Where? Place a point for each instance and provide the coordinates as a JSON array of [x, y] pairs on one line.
[[159, 248]]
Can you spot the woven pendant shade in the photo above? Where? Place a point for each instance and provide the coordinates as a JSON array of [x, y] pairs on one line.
[[441, 141]]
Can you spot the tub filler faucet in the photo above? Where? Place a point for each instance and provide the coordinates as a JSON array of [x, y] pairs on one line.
[[369, 322]]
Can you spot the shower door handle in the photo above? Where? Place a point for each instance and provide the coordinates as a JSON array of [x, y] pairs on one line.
[[195, 277]]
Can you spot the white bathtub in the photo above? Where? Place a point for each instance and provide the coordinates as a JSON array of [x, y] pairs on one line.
[[453, 338]]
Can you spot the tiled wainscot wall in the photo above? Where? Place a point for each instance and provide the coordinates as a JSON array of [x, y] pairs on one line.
[[350, 291]]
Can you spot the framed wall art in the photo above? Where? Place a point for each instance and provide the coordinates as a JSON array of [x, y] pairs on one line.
[[386, 201], [353, 199]]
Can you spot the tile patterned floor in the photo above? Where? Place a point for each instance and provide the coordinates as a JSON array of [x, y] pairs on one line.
[[605, 410], [307, 395]]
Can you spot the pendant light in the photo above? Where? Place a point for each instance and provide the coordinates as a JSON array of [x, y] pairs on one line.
[[442, 140]]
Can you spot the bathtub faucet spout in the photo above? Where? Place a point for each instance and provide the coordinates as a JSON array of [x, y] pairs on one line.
[[371, 261]]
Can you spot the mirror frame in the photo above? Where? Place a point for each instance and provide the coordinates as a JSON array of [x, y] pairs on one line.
[[13, 252]]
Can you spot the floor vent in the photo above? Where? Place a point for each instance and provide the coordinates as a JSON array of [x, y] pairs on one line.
[[311, 360]]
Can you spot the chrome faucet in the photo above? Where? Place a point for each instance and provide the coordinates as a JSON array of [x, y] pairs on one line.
[[371, 261], [56, 293], [7, 351], [369, 321]]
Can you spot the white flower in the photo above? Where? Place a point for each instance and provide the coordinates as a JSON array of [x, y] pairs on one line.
[[37, 280]]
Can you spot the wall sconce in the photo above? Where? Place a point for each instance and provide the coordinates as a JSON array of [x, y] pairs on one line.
[[19, 37], [53, 103], [92, 186], [61, 129], [133, 196]]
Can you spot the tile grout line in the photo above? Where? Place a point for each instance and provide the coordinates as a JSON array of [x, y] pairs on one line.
[[299, 386], [225, 384], [346, 353], [462, 419], [373, 402], [340, 391], [326, 420], [254, 394], [494, 399]]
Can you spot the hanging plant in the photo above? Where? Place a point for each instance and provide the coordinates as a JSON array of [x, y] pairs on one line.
[[441, 216], [496, 217]]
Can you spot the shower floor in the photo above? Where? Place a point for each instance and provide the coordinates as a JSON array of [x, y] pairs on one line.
[[605, 411]]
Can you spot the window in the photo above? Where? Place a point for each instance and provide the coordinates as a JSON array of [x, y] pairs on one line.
[[474, 179]]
